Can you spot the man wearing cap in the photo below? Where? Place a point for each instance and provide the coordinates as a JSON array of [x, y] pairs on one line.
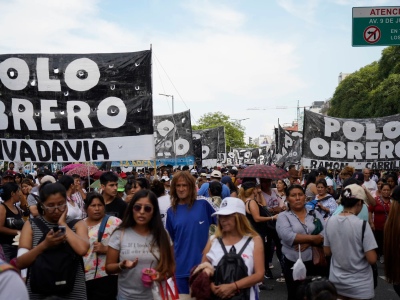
[[167, 184], [215, 176], [8, 176]]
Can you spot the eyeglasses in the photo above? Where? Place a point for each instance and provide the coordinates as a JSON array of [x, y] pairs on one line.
[[52, 209], [147, 208]]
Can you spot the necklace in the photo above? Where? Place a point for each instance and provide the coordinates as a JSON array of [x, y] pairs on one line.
[[348, 212]]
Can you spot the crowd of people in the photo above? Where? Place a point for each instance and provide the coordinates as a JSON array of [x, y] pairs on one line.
[[169, 227]]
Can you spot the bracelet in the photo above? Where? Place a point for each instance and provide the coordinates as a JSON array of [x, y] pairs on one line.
[[119, 266], [237, 288]]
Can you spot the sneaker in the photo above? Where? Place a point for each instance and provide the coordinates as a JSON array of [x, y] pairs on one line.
[[264, 287], [271, 266], [268, 274], [382, 260]]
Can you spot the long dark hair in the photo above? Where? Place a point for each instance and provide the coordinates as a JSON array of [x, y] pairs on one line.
[[8, 189], [311, 178], [166, 263]]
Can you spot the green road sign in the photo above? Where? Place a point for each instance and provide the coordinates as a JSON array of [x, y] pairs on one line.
[[376, 26]]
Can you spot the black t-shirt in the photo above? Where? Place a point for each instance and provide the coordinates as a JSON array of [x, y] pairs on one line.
[[116, 208]]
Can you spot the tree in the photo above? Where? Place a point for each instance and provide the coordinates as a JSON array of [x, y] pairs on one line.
[[372, 91], [234, 131]]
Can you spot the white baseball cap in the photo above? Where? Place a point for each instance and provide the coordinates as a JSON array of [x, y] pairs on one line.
[[165, 178], [216, 174], [231, 205]]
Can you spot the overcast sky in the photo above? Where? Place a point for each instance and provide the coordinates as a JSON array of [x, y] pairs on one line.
[[211, 55]]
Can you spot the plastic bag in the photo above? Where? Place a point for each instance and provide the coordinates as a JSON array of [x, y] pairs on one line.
[[299, 269], [155, 290]]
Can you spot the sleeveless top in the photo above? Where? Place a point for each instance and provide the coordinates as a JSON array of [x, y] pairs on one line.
[[216, 253], [309, 194], [6, 238], [79, 291], [260, 227]]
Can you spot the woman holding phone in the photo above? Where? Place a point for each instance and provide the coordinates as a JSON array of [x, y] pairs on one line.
[[33, 243]]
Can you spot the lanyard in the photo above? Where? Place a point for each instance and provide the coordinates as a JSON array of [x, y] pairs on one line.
[[304, 225], [384, 206]]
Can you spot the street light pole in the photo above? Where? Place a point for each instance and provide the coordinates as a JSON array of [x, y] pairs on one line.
[[172, 97]]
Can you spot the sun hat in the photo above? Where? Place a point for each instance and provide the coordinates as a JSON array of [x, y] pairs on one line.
[[230, 205]]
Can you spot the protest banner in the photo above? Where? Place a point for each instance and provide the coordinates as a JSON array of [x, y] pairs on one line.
[[213, 145], [173, 139], [362, 143], [290, 146], [76, 107]]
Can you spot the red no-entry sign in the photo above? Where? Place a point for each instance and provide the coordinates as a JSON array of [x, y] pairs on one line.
[[372, 34]]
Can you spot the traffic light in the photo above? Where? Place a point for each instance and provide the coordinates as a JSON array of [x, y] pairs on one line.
[[250, 140]]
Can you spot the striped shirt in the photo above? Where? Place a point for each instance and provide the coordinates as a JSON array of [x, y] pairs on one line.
[[79, 291]]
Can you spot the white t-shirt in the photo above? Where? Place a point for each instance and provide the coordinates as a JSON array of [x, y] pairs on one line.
[[216, 253], [74, 212], [164, 202], [370, 185]]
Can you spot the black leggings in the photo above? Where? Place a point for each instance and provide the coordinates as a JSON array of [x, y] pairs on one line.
[[397, 289], [272, 235]]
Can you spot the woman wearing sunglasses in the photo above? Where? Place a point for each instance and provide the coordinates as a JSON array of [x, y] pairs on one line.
[[139, 242], [53, 210]]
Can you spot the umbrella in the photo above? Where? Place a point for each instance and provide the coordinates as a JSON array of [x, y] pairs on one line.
[[97, 174], [263, 171], [70, 167], [97, 184], [83, 170]]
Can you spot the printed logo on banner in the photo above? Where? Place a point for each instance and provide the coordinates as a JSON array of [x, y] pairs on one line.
[[213, 144], [173, 139], [334, 143], [74, 107]]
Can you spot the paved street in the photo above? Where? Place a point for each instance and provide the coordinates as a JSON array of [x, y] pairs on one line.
[[384, 291]]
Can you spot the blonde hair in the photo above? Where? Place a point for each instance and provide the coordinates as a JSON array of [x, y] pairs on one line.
[[243, 227], [244, 194]]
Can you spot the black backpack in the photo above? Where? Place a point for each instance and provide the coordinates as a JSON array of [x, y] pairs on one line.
[[54, 271], [232, 268]]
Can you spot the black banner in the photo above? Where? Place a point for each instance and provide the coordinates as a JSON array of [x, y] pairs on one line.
[[290, 146], [173, 139], [334, 143], [76, 107], [213, 145]]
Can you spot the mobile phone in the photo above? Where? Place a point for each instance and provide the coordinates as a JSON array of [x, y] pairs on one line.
[[62, 229]]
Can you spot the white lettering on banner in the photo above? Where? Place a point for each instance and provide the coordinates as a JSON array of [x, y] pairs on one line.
[[81, 74], [14, 73], [76, 150], [82, 113], [111, 113], [22, 110], [3, 117], [45, 84], [358, 141], [380, 165], [76, 71]]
